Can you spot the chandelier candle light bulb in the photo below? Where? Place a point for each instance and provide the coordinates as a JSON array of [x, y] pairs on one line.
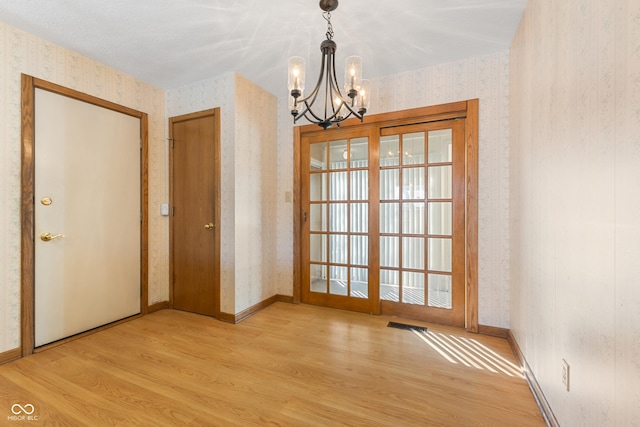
[[352, 75], [336, 106]]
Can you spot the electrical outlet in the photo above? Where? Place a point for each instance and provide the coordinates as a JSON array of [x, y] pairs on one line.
[[565, 374]]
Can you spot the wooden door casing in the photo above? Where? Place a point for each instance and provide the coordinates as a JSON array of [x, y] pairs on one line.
[[29, 86]]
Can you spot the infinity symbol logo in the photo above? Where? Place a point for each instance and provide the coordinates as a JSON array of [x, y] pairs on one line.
[[17, 409]]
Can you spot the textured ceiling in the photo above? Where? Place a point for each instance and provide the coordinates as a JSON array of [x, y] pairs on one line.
[[170, 43]]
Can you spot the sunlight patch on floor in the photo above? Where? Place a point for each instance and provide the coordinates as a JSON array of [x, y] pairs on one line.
[[468, 352]]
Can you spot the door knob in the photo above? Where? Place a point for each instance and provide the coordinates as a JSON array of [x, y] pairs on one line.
[[46, 237], [209, 226]]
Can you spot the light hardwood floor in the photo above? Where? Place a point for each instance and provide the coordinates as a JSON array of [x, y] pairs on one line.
[[288, 365]]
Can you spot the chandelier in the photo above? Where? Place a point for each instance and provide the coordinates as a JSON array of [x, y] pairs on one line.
[[336, 106]]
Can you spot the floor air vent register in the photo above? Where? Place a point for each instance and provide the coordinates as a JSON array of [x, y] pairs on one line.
[[406, 326]]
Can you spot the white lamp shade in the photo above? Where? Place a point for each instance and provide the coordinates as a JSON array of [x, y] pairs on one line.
[[364, 94], [352, 73], [296, 73]]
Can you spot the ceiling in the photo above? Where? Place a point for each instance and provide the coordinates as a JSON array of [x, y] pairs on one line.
[[170, 43]]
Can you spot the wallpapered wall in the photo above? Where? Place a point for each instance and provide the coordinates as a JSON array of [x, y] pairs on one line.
[[199, 96], [486, 78], [21, 52], [575, 205], [248, 180]]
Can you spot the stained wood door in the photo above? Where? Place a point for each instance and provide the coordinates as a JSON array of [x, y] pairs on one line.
[[195, 207]]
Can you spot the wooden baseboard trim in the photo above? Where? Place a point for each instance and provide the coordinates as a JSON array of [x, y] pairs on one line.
[[493, 331], [239, 317], [162, 305], [227, 317], [285, 298], [544, 406], [10, 356]]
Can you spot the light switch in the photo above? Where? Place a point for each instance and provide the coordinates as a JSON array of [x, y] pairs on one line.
[[164, 209], [287, 196]]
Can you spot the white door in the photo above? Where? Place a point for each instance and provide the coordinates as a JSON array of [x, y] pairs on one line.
[[87, 197]]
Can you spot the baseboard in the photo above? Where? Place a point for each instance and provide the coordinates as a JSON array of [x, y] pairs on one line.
[[544, 406], [239, 317], [285, 298], [10, 356], [162, 305], [493, 331]]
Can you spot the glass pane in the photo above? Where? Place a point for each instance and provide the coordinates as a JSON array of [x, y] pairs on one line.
[[412, 288], [413, 218], [413, 149], [318, 249], [339, 154], [359, 185], [440, 254], [338, 249], [338, 217], [413, 183], [360, 282], [388, 251], [413, 253], [440, 291], [440, 182], [389, 188], [359, 217], [440, 148], [318, 152], [389, 150], [338, 283], [389, 285], [338, 186], [318, 278], [359, 250], [389, 218], [318, 218], [360, 152], [440, 218], [318, 187]]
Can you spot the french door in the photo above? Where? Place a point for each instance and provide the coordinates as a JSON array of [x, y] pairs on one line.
[[421, 229], [336, 221], [383, 219]]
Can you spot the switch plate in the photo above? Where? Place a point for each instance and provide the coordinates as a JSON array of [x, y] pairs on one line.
[[164, 209]]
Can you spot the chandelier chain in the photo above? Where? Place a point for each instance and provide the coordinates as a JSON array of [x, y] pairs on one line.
[[327, 17]]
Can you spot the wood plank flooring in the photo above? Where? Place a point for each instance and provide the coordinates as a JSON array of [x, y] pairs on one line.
[[288, 365]]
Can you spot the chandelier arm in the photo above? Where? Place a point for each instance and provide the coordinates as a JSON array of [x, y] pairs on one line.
[[346, 102], [310, 99], [329, 87], [349, 104]]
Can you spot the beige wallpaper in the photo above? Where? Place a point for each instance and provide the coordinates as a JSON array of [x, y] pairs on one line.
[[256, 216], [486, 78], [199, 96], [21, 52], [249, 171], [575, 205]]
